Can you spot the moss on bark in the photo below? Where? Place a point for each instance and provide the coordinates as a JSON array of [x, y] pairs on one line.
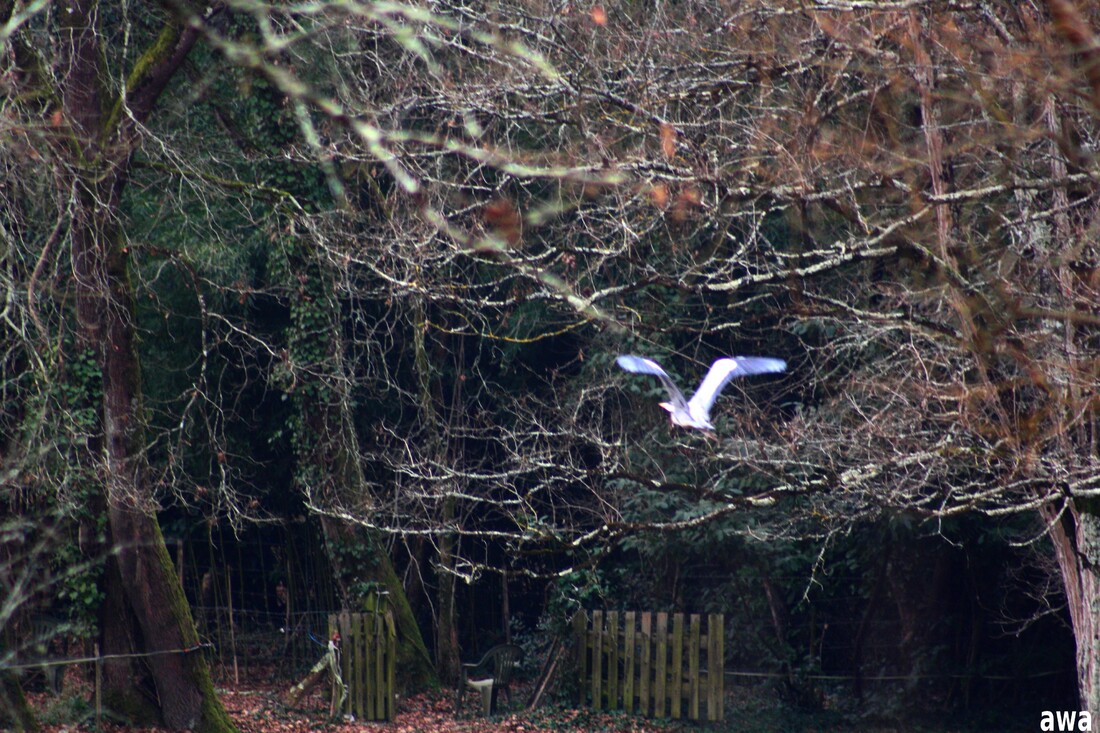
[[415, 670], [213, 717]]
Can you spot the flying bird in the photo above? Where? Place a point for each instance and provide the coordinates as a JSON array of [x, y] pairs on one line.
[[695, 413]]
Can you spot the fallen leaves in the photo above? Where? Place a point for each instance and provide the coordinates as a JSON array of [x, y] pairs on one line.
[[255, 708]]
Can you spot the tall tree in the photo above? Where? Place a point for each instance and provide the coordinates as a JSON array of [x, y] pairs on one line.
[[91, 115], [329, 472]]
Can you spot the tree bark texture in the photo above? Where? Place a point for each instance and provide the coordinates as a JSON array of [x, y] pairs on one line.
[[100, 146], [127, 688], [153, 596], [1076, 537], [448, 661], [414, 665], [329, 471]]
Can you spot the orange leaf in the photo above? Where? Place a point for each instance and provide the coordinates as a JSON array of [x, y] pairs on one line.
[[502, 216], [659, 194], [668, 140]]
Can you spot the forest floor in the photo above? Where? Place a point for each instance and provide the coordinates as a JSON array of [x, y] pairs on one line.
[[431, 712], [255, 706]]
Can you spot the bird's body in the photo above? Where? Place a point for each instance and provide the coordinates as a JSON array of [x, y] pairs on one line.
[[695, 413]]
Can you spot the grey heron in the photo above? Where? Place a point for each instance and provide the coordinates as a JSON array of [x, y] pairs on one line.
[[695, 413]]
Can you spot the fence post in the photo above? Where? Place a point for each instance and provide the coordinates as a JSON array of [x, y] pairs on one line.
[[693, 666], [391, 666], [661, 692], [629, 640], [364, 708], [645, 690], [597, 660], [580, 632], [377, 667], [676, 681], [368, 662], [612, 660], [715, 664]]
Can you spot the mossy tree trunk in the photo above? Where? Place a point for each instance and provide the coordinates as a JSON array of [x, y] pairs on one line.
[[327, 454], [1075, 534], [97, 137], [360, 563]]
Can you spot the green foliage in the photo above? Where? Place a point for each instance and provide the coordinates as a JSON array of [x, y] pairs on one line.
[[357, 560], [70, 708], [61, 420], [80, 589], [82, 389], [578, 590], [353, 552]]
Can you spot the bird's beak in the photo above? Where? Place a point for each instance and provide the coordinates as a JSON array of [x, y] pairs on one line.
[[667, 406]]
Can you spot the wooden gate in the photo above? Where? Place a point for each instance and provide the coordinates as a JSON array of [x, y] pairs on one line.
[[368, 647], [639, 662]]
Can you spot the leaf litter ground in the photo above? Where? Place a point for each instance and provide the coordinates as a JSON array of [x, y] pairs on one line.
[[255, 707]]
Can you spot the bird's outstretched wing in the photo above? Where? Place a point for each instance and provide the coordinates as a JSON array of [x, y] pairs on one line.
[[720, 374], [641, 365]]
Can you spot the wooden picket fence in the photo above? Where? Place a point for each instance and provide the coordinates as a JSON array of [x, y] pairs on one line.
[[368, 649], [639, 662]]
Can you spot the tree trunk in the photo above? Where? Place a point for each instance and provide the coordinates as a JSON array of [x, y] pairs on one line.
[[103, 142], [127, 688], [183, 685], [153, 595], [328, 455], [414, 664], [1076, 538], [447, 654]]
